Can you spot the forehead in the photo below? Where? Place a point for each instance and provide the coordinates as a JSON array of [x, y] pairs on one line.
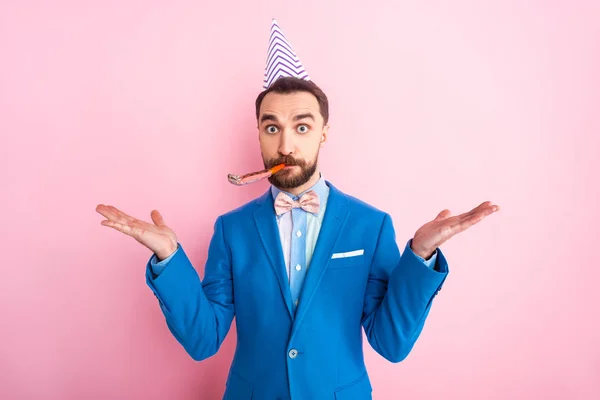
[[289, 104]]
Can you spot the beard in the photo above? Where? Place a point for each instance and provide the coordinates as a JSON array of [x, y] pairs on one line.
[[287, 179]]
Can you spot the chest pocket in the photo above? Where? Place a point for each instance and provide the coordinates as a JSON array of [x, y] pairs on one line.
[[346, 260]]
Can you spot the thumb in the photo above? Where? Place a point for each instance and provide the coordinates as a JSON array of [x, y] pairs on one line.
[[443, 215], [157, 218]]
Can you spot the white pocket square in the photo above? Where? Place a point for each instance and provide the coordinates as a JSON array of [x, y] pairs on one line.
[[348, 254]]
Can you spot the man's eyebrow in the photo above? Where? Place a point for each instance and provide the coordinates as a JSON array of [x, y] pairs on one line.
[[305, 115], [268, 117], [271, 117]]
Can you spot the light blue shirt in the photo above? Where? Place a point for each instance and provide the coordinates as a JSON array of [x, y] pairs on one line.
[[298, 231]]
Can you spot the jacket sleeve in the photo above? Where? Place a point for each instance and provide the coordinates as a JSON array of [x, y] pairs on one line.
[[198, 314], [399, 294]]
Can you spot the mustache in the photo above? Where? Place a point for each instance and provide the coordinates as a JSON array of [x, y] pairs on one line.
[[287, 160]]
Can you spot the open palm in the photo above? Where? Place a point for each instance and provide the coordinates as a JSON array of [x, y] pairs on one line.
[[443, 227], [158, 237]]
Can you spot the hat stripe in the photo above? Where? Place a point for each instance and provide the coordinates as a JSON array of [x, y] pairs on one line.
[[281, 48], [281, 58], [281, 40], [281, 66], [282, 53], [281, 73]]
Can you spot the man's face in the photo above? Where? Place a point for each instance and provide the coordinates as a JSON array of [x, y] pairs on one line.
[[291, 131]]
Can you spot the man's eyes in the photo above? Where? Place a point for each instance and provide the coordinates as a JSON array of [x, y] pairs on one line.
[[301, 129]]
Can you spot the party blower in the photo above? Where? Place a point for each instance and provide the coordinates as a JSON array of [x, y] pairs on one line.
[[254, 176]]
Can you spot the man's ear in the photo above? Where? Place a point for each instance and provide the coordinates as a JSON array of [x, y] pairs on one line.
[[324, 135]]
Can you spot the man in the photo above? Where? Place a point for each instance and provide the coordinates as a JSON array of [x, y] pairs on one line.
[[302, 267]]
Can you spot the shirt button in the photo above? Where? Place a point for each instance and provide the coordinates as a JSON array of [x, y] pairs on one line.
[[298, 267], [293, 353], [296, 302], [298, 234]]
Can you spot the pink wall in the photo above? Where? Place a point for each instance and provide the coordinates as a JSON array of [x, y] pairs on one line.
[[146, 105]]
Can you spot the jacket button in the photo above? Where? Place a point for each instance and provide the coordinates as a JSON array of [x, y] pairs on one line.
[[293, 353]]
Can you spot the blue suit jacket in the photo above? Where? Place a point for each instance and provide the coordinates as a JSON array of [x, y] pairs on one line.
[[317, 352]]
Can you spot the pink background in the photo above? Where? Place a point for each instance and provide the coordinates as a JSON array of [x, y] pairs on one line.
[[149, 104]]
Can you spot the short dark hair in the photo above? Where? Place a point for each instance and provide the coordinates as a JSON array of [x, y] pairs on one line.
[[289, 84]]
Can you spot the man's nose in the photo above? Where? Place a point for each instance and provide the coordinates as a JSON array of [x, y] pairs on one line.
[[286, 143]]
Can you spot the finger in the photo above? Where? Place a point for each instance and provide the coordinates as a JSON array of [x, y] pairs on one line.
[[111, 213], [126, 229], [461, 222], [480, 208], [485, 210], [157, 218], [105, 212], [122, 215], [453, 225], [443, 215], [476, 217]]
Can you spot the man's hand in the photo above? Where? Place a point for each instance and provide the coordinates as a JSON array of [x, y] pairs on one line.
[[431, 235], [158, 237]]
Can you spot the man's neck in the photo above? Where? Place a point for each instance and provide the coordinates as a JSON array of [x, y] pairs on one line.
[[311, 182]]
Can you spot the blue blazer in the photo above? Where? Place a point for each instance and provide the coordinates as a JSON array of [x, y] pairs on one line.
[[316, 352]]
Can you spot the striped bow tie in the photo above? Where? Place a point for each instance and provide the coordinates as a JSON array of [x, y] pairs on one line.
[[309, 202]]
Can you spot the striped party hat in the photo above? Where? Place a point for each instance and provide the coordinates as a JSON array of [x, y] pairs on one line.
[[281, 59]]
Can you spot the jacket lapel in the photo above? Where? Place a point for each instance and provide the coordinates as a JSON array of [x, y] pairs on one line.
[[334, 219], [266, 224]]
